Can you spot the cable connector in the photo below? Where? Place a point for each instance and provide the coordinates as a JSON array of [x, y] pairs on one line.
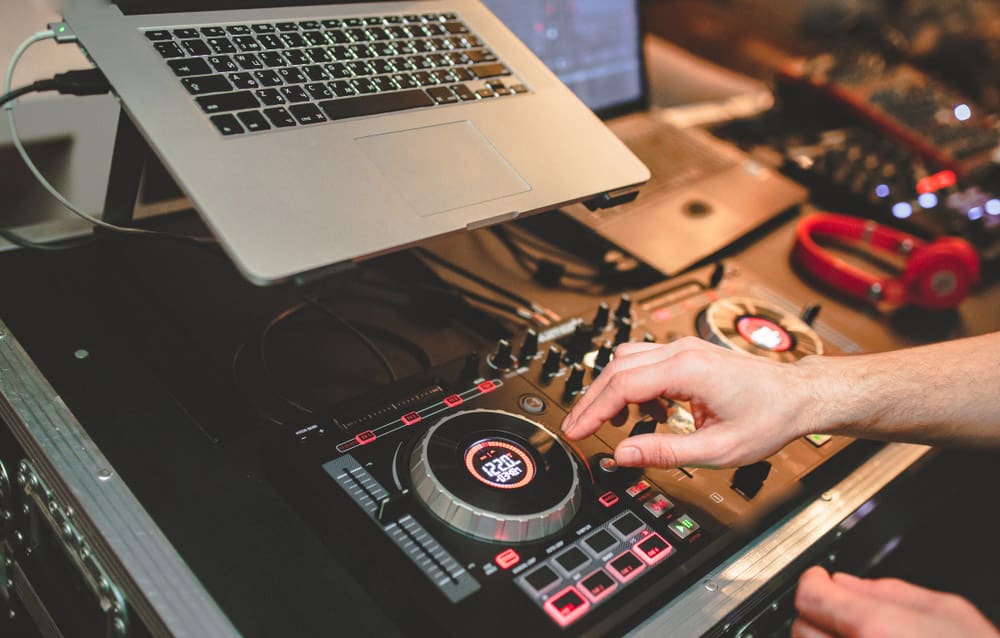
[[61, 32], [81, 82]]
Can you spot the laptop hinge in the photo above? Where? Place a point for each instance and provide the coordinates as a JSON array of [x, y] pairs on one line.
[[611, 199]]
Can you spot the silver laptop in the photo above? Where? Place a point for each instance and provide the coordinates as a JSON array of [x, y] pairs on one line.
[[705, 193], [311, 136]]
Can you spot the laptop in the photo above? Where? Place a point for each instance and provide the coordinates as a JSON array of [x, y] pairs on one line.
[[311, 136], [705, 193]]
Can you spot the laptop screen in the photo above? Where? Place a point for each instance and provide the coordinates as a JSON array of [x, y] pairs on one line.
[[594, 46], [139, 7]]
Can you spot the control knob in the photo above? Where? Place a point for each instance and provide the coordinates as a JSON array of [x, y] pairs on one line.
[[575, 382], [624, 332], [624, 309], [503, 358], [602, 316], [529, 348], [553, 362]]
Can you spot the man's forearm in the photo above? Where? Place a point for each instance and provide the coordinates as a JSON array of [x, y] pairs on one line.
[[946, 393]]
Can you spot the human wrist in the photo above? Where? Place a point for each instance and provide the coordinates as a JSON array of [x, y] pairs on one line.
[[829, 392]]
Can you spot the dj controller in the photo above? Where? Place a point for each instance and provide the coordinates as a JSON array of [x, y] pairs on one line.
[[453, 498]]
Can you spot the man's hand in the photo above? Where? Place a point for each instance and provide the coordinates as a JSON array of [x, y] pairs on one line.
[[844, 605], [745, 408]]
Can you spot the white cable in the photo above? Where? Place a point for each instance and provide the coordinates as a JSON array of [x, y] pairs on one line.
[[15, 137]]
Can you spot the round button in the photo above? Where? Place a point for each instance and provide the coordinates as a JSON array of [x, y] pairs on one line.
[[532, 403], [697, 208]]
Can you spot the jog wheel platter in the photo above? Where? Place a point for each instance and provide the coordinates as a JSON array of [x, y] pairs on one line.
[[496, 476], [759, 328]]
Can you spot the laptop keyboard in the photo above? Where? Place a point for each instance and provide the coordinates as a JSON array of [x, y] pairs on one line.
[[249, 78]]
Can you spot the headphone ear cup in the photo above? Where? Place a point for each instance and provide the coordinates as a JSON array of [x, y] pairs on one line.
[[940, 274]]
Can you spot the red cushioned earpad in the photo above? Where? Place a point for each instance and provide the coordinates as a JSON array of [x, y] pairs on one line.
[[940, 274]]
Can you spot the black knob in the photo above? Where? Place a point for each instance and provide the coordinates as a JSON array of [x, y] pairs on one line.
[[529, 348], [470, 369], [748, 480], [503, 358], [624, 309], [553, 362], [810, 312], [603, 355], [646, 426], [602, 316], [580, 343], [575, 381], [717, 274], [624, 332]]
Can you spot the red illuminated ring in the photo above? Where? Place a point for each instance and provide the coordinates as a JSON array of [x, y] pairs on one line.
[[524, 457]]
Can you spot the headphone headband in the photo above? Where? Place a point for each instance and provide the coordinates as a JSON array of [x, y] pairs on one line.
[[938, 274]]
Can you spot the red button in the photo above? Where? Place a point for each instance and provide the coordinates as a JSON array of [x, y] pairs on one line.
[[598, 585], [653, 549], [365, 437], [487, 386], [608, 499], [626, 566], [453, 400], [507, 559], [410, 418], [566, 606]]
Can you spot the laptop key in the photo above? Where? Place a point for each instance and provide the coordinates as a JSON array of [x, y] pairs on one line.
[[246, 43], [248, 61], [309, 25], [270, 97], [291, 75], [483, 71], [221, 45], [223, 64], [315, 38], [338, 71], [332, 24], [384, 83], [297, 57], [243, 81], [189, 66], [196, 47], [442, 95], [342, 89], [486, 93], [268, 78], [375, 104], [168, 49], [456, 27], [271, 41], [159, 34], [285, 27], [206, 84], [213, 32], [319, 91], [295, 94], [319, 54], [405, 81], [293, 40], [337, 36], [222, 102], [272, 59], [364, 85], [253, 121], [463, 75], [227, 124], [263, 28], [519, 88], [307, 113], [184, 34], [463, 92], [279, 117], [238, 29], [315, 73]]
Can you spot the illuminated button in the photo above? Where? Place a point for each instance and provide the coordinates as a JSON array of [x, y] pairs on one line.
[[600, 542], [566, 606], [819, 440], [453, 400], [365, 437], [410, 418], [608, 499], [653, 549], [684, 526], [487, 386], [507, 559], [598, 585], [658, 505], [572, 559], [638, 488], [627, 525], [626, 567], [542, 578]]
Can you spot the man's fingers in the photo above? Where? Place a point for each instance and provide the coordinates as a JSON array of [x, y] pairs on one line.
[[802, 629], [831, 607], [710, 446], [642, 375], [894, 591]]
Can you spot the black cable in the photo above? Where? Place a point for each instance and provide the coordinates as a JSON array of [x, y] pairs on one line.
[[41, 85], [485, 283], [55, 246], [362, 337], [521, 256]]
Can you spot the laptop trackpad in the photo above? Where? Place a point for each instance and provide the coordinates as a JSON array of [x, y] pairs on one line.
[[443, 167]]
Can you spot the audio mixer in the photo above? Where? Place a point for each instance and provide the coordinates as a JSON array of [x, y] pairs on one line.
[[452, 497]]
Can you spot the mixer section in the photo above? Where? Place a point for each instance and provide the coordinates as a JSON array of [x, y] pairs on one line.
[[455, 500]]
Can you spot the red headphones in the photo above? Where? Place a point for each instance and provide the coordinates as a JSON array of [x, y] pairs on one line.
[[937, 275]]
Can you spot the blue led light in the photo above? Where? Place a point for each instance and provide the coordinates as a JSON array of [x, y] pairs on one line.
[[927, 200], [993, 207], [962, 112], [901, 210], [976, 212], [882, 190]]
